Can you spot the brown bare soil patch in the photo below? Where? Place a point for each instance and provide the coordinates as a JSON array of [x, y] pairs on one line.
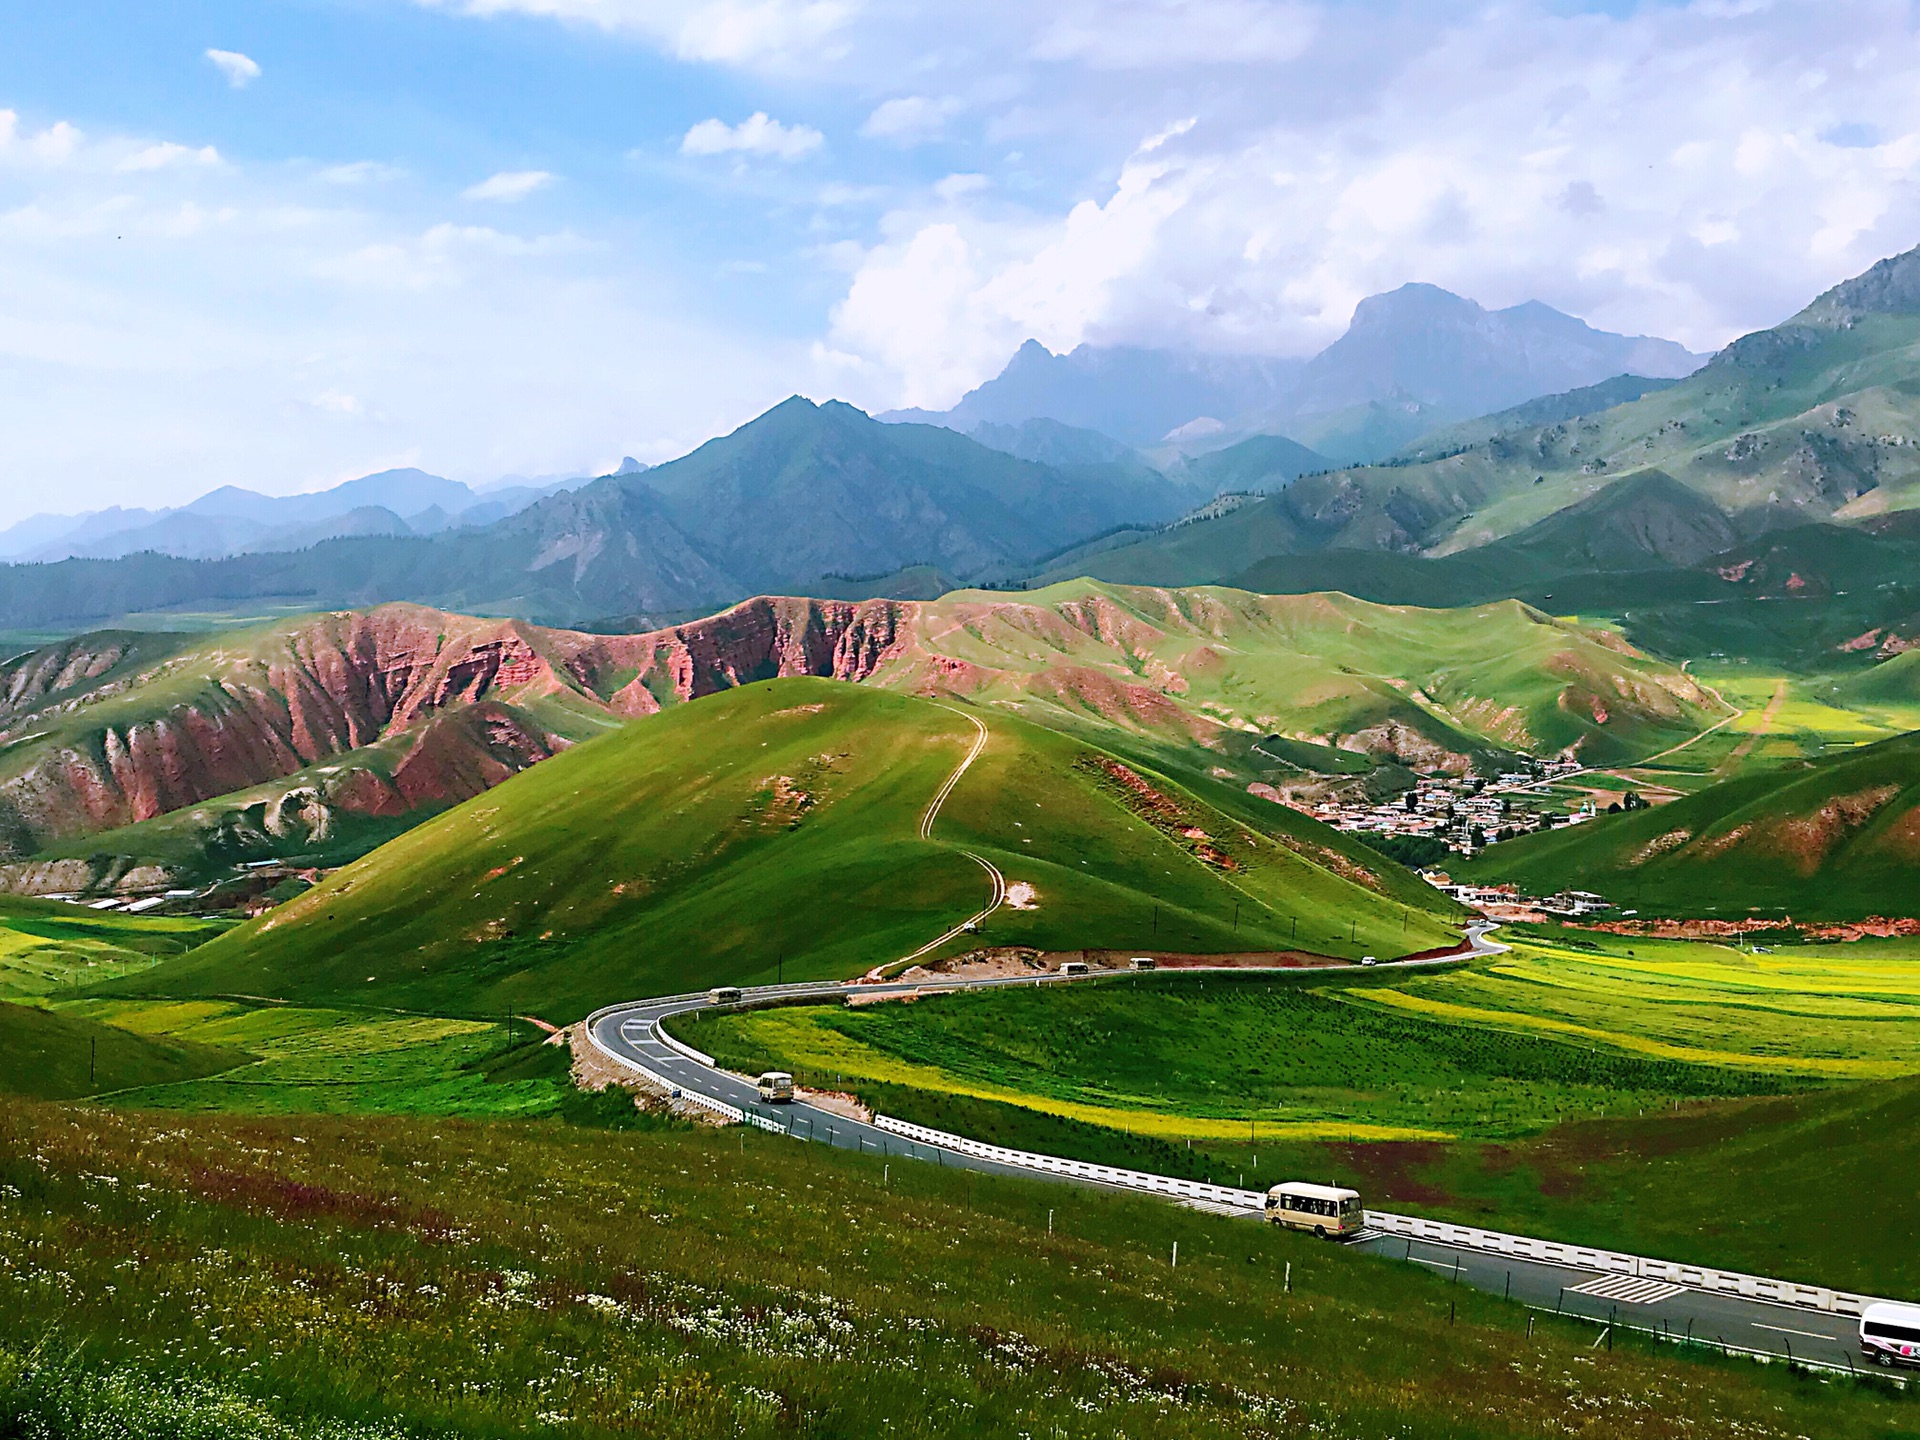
[[1806, 840]]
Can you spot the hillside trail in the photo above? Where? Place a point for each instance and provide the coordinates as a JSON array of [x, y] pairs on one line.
[[1745, 748], [1691, 739], [997, 882]]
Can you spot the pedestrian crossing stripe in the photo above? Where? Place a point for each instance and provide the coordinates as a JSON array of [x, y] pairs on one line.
[[1628, 1289]]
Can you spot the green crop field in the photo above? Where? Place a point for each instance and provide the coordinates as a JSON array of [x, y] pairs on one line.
[[383, 1279], [1224, 1058], [1834, 1012], [47, 947], [774, 830]]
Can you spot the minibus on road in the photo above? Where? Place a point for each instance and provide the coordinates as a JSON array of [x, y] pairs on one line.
[[1890, 1334], [776, 1087], [724, 995], [1326, 1210]]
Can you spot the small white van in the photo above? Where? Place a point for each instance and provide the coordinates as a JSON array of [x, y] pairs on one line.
[[1074, 967], [724, 994], [1890, 1333]]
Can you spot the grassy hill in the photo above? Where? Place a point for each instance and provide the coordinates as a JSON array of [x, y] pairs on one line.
[[1836, 838], [132, 761], [1212, 663], [63, 1057], [773, 830]]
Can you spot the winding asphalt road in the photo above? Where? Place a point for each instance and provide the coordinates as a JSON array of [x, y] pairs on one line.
[[632, 1033]]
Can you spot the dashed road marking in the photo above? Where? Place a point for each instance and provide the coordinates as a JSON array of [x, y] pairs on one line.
[[1628, 1289]]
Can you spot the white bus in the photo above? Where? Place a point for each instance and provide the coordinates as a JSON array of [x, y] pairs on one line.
[[1073, 967], [1890, 1334], [724, 994], [776, 1087], [1143, 962], [1326, 1210]]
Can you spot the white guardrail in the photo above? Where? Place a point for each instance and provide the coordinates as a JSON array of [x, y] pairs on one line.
[[1581, 1257], [1077, 1169]]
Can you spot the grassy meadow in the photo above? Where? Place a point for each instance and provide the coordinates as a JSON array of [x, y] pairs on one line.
[[377, 1279]]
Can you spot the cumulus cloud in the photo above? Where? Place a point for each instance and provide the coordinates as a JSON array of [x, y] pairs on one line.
[[758, 134], [166, 154], [770, 32], [1154, 34], [240, 70], [912, 119], [359, 172], [509, 187]]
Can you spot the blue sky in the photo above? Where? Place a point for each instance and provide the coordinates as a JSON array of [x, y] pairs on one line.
[[280, 244]]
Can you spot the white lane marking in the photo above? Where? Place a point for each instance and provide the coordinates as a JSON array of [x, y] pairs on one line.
[[1811, 1335], [1628, 1289]]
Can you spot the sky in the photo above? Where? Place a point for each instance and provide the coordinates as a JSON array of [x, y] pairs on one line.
[[281, 243]]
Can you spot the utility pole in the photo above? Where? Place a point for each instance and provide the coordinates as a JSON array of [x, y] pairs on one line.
[[93, 1058], [1236, 917]]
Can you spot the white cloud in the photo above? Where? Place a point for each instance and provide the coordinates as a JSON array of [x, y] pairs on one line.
[[912, 119], [1155, 34], [508, 187], [165, 154], [758, 134], [735, 32], [240, 70], [359, 172]]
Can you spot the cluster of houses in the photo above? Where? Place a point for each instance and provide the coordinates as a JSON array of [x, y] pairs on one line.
[[1462, 813]]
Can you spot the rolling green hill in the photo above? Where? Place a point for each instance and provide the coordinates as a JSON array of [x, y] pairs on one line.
[[1833, 839], [64, 1057], [772, 831], [1426, 687]]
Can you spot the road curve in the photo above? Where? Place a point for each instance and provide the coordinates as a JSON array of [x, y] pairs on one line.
[[634, 1035]]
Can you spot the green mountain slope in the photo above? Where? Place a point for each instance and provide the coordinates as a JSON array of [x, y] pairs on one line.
[[1817, 419], [774, 830], [1834, 839]]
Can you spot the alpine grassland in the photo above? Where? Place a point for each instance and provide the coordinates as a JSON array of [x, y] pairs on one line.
[[773, 831], [383, 1278]]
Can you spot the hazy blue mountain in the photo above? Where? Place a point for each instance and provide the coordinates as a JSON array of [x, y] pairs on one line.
[[1133, 394], [234, 521], [1446, 352], [810, 490], [1412, 360], [1050, 442], [1265, 462]]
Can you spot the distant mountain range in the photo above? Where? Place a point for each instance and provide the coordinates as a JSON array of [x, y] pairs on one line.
[[233, 521], [1412, 360], [804, 498]]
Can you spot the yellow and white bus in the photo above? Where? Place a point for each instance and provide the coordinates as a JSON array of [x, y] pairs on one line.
[[1326, 1210], [776, 1087]]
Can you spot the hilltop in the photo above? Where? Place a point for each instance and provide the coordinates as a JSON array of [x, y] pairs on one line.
[[773, 830]]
